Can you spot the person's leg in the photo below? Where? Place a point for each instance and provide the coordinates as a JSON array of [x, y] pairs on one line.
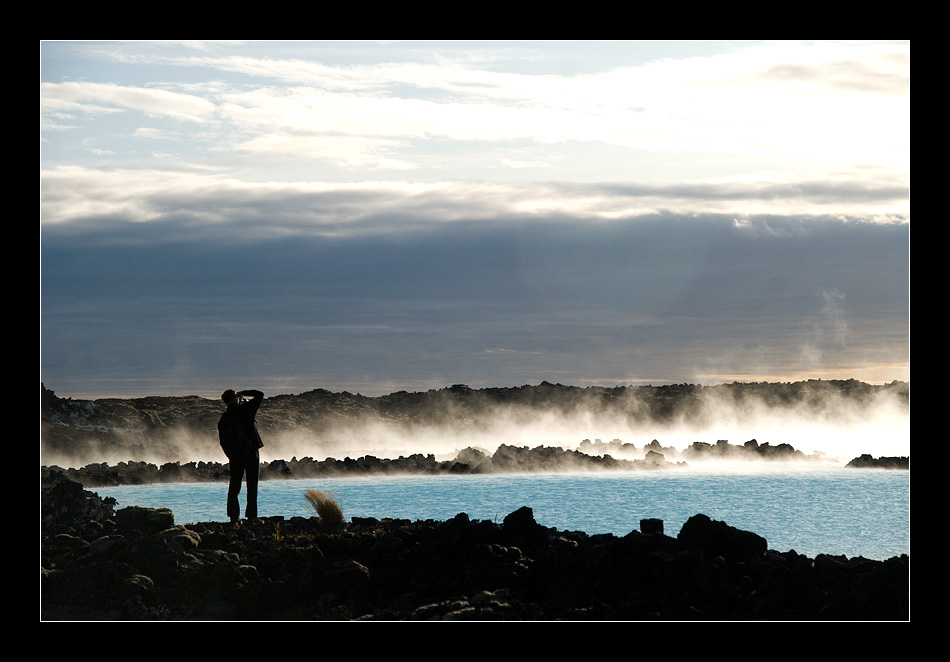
[[252, 471], [234, 488]]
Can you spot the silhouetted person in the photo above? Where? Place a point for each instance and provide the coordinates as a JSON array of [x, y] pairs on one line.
[[241, 443]]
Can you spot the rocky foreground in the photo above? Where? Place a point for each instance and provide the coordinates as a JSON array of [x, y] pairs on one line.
[[136, 564]]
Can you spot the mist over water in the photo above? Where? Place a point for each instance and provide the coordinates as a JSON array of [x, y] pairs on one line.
[[880, 429], [816, 421]]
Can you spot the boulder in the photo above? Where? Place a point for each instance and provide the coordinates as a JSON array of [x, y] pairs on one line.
[[715, 538], [135, 519], [521, 529], [651, 526]]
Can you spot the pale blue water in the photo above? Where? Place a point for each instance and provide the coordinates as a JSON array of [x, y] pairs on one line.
[[813, 510]]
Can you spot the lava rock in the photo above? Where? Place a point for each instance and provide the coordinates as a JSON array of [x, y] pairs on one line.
[[143, 567]]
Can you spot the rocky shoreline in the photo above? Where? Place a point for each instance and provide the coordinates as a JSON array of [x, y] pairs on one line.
[[103, 564], [866, 461], [506, 459]]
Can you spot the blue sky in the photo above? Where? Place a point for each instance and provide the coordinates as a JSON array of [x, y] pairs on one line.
[[382, 216]]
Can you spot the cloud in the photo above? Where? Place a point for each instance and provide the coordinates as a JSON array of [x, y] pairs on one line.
[[425, 213], [75, 194], [97, 98], [657, 298], [799, 102]]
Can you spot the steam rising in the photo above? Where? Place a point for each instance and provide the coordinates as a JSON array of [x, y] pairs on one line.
[[840, 430], [836, 426]]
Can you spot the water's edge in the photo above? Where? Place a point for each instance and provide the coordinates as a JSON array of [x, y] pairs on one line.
[[850, 512]]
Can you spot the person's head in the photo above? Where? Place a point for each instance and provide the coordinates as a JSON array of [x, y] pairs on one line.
[[229, 396]]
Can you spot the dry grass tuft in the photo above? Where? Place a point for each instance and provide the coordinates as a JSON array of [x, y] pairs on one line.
[[326, 506]]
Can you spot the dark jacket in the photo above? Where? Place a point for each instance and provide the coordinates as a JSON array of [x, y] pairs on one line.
[[247, 412]]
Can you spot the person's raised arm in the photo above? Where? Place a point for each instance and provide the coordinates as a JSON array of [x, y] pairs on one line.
[[257, 397]]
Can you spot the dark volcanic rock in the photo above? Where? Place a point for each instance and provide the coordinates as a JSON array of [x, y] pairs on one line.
[[143, 520], [868, 462], [103, 565], [719, 539], [507, 459]]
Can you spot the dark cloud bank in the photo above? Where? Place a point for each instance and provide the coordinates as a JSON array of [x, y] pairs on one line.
[[167, 307]]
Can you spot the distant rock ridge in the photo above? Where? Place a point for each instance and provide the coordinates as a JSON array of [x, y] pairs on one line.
[[76, 432]]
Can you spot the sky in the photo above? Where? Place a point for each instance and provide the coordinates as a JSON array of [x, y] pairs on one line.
[[373, 217]]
